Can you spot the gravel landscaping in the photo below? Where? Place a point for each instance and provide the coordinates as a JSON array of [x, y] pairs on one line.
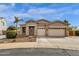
[[19, 39]]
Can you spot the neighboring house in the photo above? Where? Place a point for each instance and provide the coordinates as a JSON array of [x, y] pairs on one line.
[[74, 32], [44, 28], [3, 25]]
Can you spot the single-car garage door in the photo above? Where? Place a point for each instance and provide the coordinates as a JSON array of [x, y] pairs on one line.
[[56, 32], [41, 32]]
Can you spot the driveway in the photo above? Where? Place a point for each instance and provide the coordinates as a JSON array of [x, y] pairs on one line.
[[58, 40], [64, 42]]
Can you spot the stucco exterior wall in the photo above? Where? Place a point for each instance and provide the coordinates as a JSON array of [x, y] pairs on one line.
[[44, 24], [57, 24]]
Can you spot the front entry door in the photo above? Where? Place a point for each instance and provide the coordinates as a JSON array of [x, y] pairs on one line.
[[31, 30]]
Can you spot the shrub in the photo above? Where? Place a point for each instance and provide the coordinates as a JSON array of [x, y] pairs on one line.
[[77, 33], [11, 28], [11, 34]]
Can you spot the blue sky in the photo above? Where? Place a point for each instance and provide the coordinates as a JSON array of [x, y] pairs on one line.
[[36, 11]]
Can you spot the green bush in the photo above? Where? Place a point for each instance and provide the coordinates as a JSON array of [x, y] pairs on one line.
[[11, 28], [11, 34], [77, 33]]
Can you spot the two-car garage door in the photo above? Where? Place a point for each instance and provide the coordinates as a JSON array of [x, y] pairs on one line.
[[56, 32], [51, 32]]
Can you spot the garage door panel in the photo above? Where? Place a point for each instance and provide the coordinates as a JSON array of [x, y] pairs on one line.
[[56, 32], [41, 32]]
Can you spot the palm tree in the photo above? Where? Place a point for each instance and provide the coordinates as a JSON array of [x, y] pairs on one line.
[[66, 21], [16, 21]]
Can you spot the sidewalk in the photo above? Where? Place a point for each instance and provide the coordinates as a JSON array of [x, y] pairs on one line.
[[36, 45], [17, 45]]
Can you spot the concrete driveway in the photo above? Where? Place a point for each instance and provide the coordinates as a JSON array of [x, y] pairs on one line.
[[64, 42]]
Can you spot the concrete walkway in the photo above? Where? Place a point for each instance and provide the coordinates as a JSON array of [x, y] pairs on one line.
[[64, 43]]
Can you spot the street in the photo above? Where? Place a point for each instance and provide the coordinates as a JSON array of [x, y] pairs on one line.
[[38, 52]]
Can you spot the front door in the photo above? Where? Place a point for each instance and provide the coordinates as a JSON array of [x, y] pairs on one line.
[[23, 29], [31, 30]]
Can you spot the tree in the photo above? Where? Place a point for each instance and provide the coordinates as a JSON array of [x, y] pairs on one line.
[[74, 27], [11, 32], [66, 22], [16, 21]]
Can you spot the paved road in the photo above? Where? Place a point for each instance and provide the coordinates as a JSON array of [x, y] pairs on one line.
[[38, 52]]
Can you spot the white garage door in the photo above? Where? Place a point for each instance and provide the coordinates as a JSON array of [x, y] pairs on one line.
[[56, 32], [41, 32]]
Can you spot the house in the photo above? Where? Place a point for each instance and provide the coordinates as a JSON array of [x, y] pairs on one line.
[[44, 28]]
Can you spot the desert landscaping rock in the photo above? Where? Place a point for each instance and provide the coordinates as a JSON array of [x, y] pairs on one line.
[[19, 39]]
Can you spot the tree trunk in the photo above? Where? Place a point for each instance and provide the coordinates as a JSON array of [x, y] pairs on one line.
[[16, 29]]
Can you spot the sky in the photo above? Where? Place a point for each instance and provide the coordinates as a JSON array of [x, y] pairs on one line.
[[36, 11]]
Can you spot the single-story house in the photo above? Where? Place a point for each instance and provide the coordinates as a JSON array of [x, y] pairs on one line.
[[44, 28]]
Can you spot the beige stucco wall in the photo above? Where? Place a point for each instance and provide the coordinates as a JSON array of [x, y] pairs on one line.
[[42, 24]]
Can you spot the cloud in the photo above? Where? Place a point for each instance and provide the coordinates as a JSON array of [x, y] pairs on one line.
[[60, 11], [47, 12], [35, 13], [4, 7], [22, 15], [32, 12], [76, 12], [13, 4], [41, 11]]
